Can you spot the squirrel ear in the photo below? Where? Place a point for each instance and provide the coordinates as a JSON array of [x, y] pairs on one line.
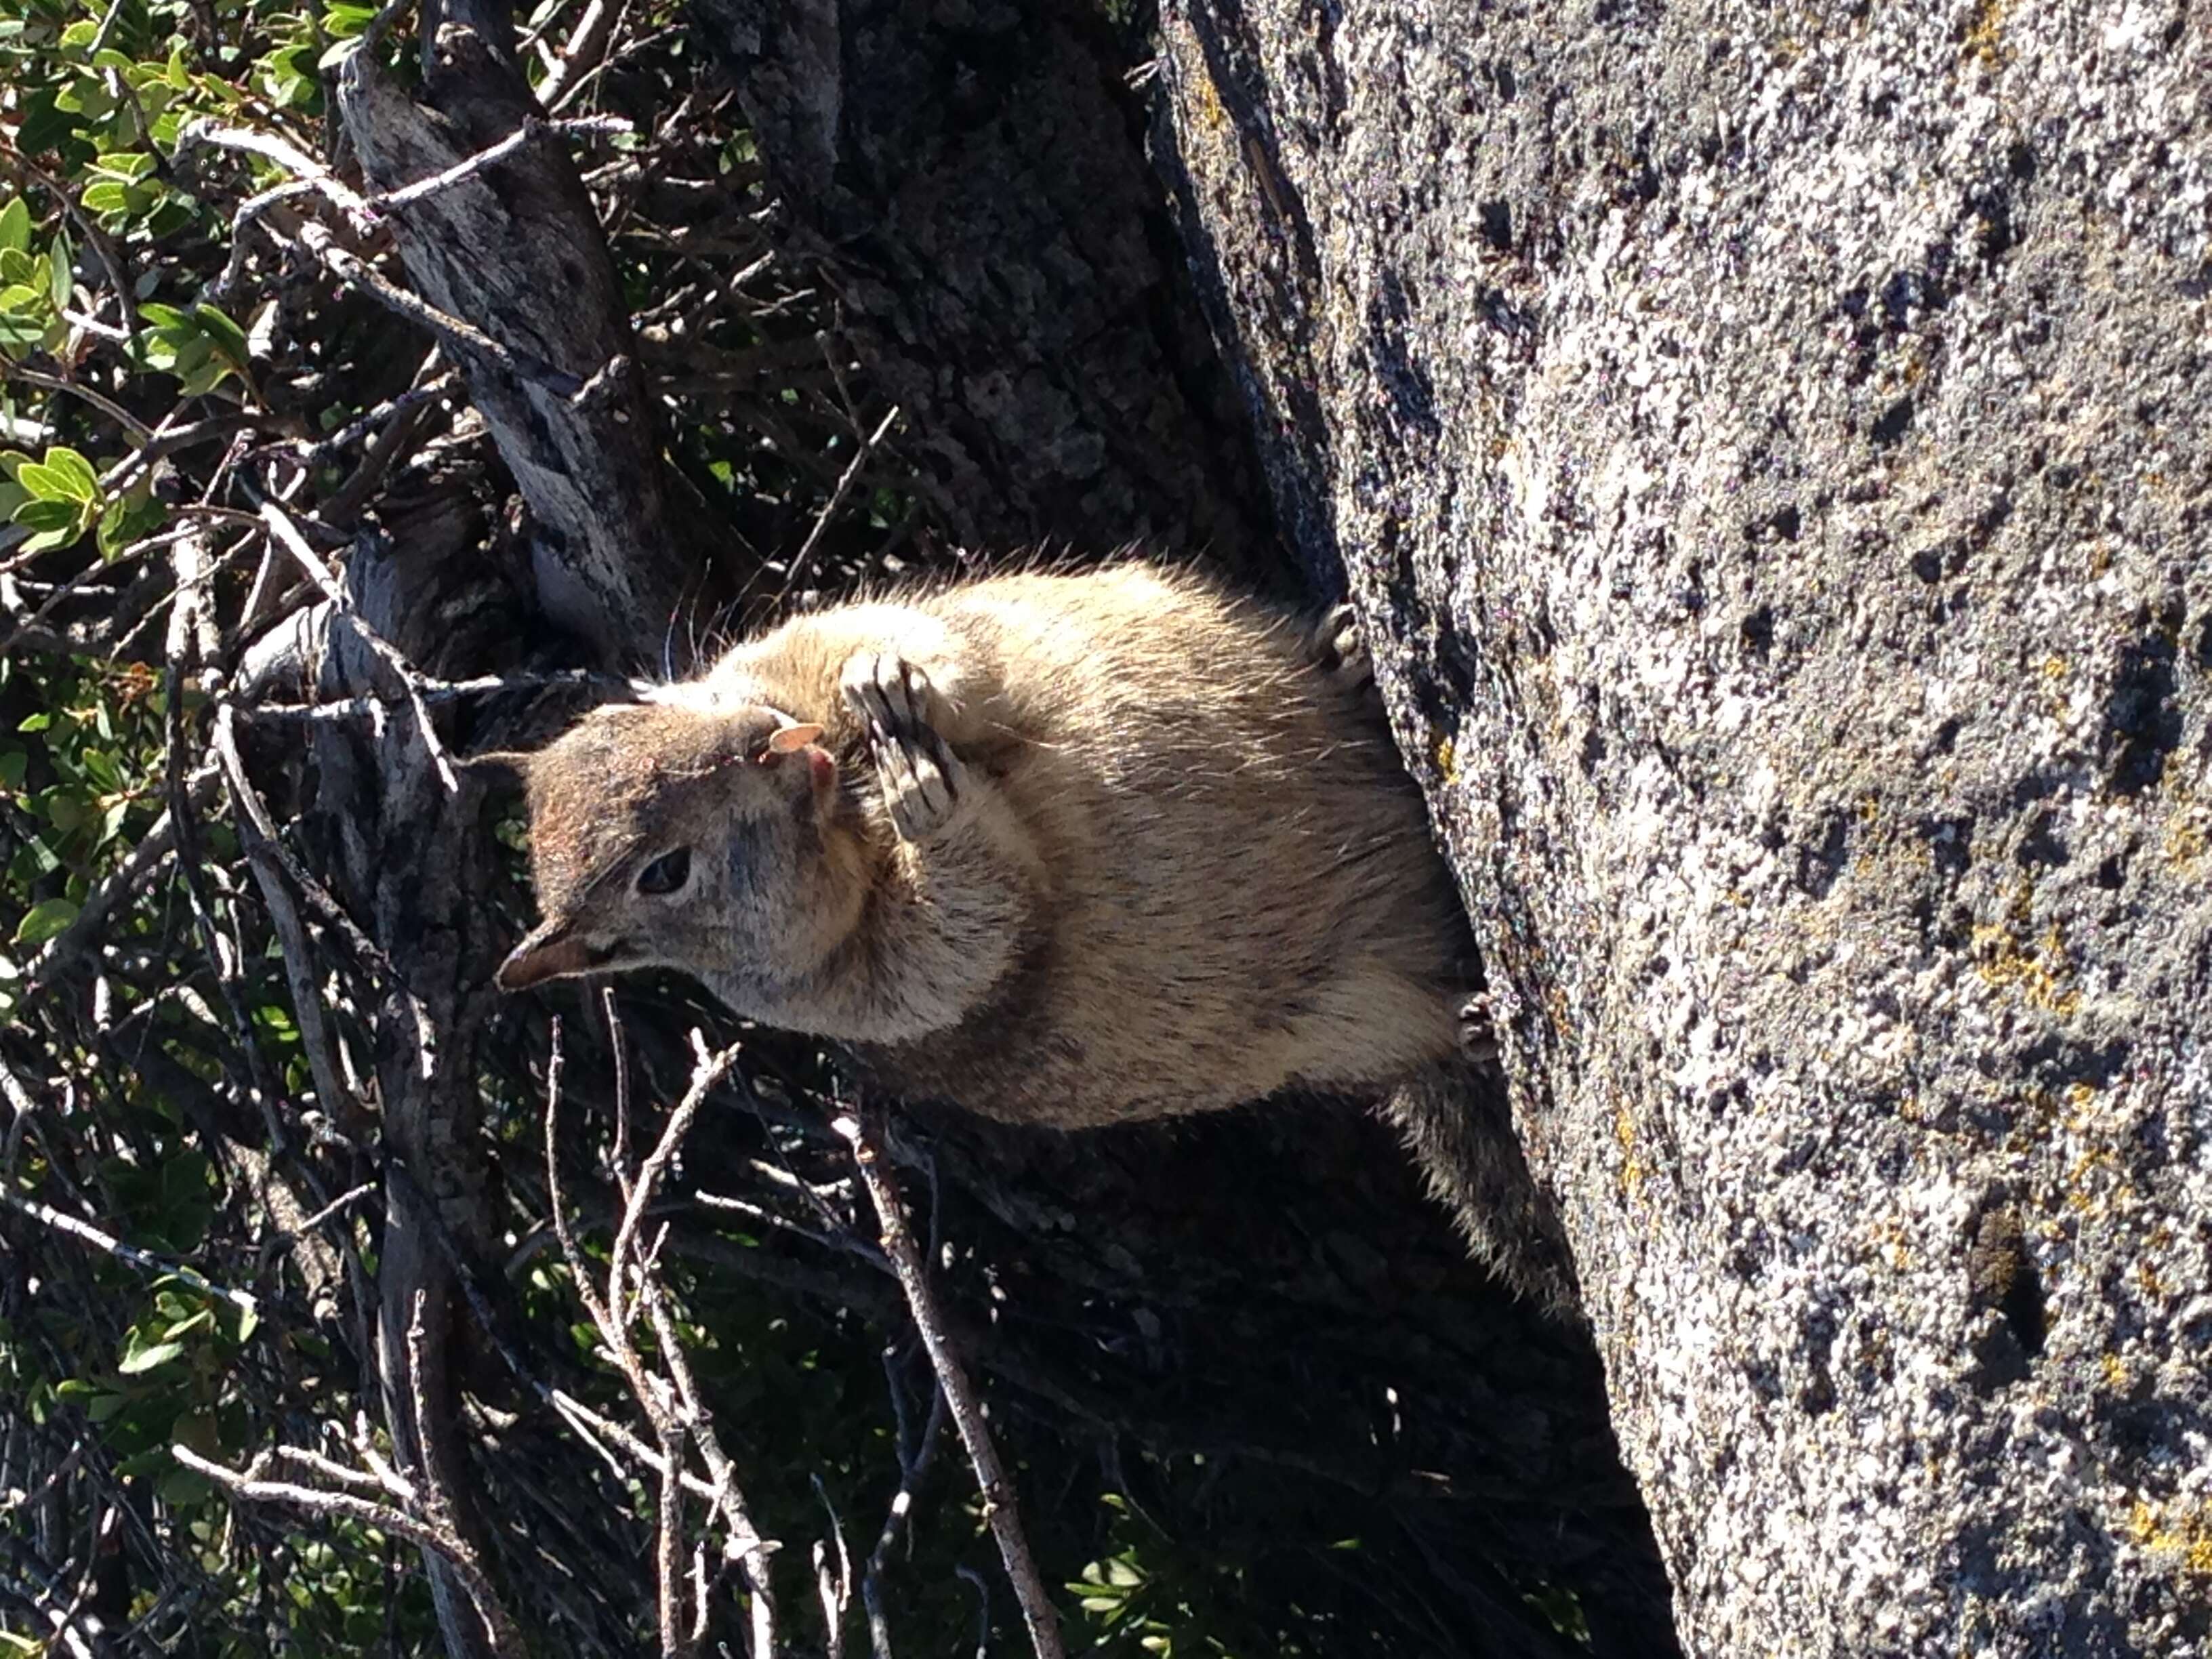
[[790, 739], [550, 951], [498, 765]]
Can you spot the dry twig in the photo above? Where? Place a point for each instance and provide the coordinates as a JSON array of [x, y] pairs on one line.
[[864, 1128]]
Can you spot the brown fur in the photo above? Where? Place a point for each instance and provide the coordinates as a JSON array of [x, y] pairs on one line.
[[1181, 867]]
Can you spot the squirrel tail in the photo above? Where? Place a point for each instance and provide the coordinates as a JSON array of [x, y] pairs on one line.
[[1456, 1119]]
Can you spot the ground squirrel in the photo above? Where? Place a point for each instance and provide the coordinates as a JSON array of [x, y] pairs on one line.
[[1061, 849]]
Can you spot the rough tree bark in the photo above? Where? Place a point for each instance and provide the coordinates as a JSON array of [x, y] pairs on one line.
[[515, 252], [979, 193], [1145, 1269], [972, 186], [1770, 446]]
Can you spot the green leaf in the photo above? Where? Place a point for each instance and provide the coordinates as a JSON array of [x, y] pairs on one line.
[[129, 165], [15, 224], [23, 299], [17, 267], [163, 316], [45, 920], [77, 470], [107, 198], [146, 1359], [182, 1485], [48, 484], [61, 270], [48, 513], [100, 766], [186, 1326], [144, 1462]]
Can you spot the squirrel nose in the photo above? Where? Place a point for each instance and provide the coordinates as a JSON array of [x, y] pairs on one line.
[[551, 950]]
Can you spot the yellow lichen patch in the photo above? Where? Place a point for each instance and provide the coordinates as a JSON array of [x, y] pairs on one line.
[[1447, 758], [2179, 1531], [1203, 93], [2095, 1181], [1984, 40], [1632, 1167], [1891, 1242], [2188, 830], [2116, 1372], [2039, 971], [2081, 1115]]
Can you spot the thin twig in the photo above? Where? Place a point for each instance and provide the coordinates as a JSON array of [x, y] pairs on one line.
[[435, 692], [153, 849], [913, 1465], [147, 1259], [271, 146], [465, 339], [506, 1640], [836, 1593], [532, 127], [805, 557], [864, 1129], [286, 532], [671, 1418], [248, 812], [100, 400]]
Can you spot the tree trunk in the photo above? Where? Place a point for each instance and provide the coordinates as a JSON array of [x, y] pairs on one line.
[[514, 250], [973, 186], [1771, 452], [980, 196]]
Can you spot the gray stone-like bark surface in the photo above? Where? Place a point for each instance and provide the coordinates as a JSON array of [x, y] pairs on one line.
[[1771, 448]]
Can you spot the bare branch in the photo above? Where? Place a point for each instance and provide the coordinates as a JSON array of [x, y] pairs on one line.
[[532, 127], [864, 1128], [804, 558], [271, 146], [85, 1232], [287, 534], [505, 1639]]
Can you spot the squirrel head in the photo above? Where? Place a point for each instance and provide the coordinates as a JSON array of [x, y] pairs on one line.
[[714, 840]]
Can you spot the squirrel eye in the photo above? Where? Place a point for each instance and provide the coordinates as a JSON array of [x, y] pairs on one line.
[[665, 873]]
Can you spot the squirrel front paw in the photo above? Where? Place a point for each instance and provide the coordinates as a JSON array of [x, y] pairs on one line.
[[923, 781], [1338, 646], [1478, 1029]]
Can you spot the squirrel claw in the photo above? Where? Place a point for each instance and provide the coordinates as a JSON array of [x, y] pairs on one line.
[[922, 778], [1339, 647], [1478, 1029]]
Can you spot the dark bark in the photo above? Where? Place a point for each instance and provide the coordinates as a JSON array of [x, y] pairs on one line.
[[972, 188], [980, 196], [412, 852]]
